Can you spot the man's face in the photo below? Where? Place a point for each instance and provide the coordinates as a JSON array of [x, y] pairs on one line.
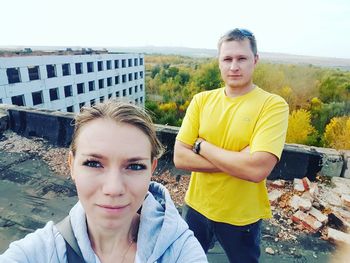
[[237, 63]]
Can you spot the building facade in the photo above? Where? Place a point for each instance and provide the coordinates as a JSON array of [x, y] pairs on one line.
[[66, 82]]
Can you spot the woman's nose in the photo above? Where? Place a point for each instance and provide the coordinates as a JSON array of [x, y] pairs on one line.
[[114, 184]]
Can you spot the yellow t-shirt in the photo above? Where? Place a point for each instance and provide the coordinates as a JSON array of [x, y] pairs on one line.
[[258, 119]]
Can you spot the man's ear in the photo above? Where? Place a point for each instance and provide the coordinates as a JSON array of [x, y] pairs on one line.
[[70, 163], [154, 164], [256, 59]]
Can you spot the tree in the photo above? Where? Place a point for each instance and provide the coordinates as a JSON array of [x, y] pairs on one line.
[[337, 134], [300, 129]]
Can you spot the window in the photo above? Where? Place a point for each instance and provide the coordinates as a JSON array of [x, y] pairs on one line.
[[116, 63], [33, 72], [78, 68], [101, 99], [13, 76], [141, 87], [141, 61], [53, 94], [123, 63], [135, 62], [80, 88], [90, 67], [51, 71], [117, 94], [130, 90], [65, 69], [141, 74], [135, 75], [100, 65], [68, 91], [141, 99], [129, 62], [91, 85], [37, 97], [70, 109], [0, 101], [18, 100], [124, 78], [81, 105], [124, 92], [109, 64], [110, 95], [116, 79], [136, 89], [109, 82], [100, 84], [92, 102], [136, 101], [130, 76]]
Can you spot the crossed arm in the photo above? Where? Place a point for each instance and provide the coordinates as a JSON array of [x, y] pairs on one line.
[[253, 167]]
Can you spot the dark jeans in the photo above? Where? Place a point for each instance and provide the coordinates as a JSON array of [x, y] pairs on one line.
[[241, 243]]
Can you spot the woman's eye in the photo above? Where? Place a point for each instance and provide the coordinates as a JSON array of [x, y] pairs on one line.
[[92, 164], [136, 166]]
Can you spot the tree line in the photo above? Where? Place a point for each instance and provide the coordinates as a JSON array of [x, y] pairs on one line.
[[318, 98]]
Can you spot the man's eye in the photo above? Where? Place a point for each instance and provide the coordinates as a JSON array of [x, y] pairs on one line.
[[92, 164], [242, 59], [227, 59], [136, 167]]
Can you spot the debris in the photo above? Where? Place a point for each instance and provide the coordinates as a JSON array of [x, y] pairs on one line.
[[338, 236], [318, 215], [278, 183], [306, 183], [298, 185], [345, 199], [270, 251], [307, 221], [300, 203], [274, 196]]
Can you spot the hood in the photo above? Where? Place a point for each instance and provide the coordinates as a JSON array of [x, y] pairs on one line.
[[160, 226]]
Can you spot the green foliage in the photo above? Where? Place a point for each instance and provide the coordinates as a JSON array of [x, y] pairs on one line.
[[335, 87]]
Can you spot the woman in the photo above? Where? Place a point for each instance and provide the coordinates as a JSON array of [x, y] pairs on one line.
[[120, 216]]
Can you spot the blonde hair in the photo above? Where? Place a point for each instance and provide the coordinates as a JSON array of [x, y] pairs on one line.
[[120, 112]]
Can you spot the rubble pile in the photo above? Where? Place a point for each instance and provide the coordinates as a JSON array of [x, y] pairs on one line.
[[315, 207]]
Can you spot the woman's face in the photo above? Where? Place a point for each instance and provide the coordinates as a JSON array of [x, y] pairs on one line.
[[112, 169]]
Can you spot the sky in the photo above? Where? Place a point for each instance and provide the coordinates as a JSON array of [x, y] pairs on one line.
[[301, 27]]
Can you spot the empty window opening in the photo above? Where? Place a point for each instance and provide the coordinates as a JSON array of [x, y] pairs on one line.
[[78, 68], [65, 69], [135, 62], [53, 94], [90, 67], [81, 105], [33, 72], [124, 78], [18, 100], [70, 109], [136, 75], [124, 92], [80, 88], [109, 82], [37, 97], [109, 64], [130, 90], [141, 87], [92, 102], [116, 79], [91, 85], [116, 63], [51, 71], [130, 76], [68, 91], [100, 84], [136, 89], [123, 63], [141, 99], [102, 99], [13, 75], [110, 95], [141, 61], [141, 74], [129, 62], [100, 65], [117, 94]]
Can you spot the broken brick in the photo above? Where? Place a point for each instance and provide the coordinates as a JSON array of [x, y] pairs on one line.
[[298, 185], [345, 199], [306, 183], [278, 183], [300, 203], [313, 189], [318, 215], [338, 236], [307, 221], [274, 196]]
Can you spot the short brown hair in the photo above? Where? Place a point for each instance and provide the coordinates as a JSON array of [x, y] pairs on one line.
[[120, 112], [239, 34]]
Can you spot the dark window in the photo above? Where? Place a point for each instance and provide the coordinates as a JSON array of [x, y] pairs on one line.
[[70, 109], [37, 97], [100, 84], [91, 85], [90, 67], [130, 90], [141, 87], [124, 92], [136, 101], [18, 100], [100, 65], [33, 73], [136, 89], [65, 69], [109, 64], [116, 63], [78, 68], [141, 99], [13, 76], [53, 94], [80, 88], [117, 94], [110, 95], [135, 75], [102, 99], [68, 91], [141, 74], [116, 79], [130, 76], [141, 61], [124, 78], [92, 102], [135, 62], [129, 62], [109, 82], [0, 101], [123, 63], [81, 105], [51, 71]]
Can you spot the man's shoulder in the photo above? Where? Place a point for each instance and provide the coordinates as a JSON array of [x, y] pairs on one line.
[[209, 93], [272, 97]]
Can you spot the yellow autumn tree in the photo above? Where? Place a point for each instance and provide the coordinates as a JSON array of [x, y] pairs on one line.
[[337, 133], [299, 127]]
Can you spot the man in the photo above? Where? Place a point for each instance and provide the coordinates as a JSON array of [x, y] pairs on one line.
[[231, 138]]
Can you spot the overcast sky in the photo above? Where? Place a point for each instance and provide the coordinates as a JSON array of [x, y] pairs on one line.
[[303, 27]]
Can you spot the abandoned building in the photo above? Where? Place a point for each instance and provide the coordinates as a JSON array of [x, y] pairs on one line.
[[66, 81]]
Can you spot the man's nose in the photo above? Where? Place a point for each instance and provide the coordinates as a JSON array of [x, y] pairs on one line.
[[234, 65]]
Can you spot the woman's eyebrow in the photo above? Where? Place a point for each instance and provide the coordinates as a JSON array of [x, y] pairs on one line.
[[95, 155]]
